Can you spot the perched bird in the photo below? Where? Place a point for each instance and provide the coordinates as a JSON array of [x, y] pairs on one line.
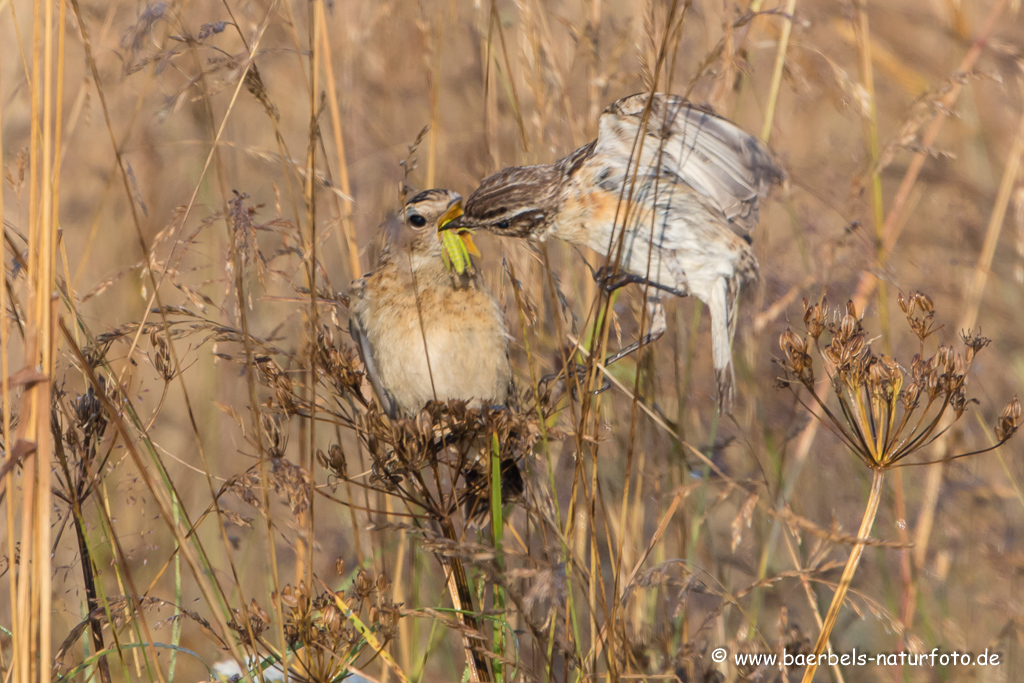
[[424, 330], [427, 328], [668, 192]]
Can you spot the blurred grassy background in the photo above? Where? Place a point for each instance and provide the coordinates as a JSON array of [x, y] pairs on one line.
[[523, 82]]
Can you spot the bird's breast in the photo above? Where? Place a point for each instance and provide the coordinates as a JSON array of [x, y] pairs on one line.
[[439, 342], [593, 207]]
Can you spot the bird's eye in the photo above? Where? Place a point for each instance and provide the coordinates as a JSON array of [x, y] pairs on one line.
[[503, 225], [417, 221]]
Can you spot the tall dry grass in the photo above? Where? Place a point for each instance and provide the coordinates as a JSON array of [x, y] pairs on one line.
[[193, 470]]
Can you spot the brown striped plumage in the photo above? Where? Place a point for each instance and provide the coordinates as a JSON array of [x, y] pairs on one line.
[[673, 206]]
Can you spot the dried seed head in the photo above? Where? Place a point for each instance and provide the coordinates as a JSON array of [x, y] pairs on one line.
[[959, 367], [895, 371], [833, 353], [333, 461], [797, 359], [814, 317], [331, 618], [162, 356], [89, 414], [910, 396], [944, 359], [276, 441], [923, 302], [337, 363], [1008, 421], [847, 327], [364, 584], [289, 598], [272, 375], [254, 619], [339, 566], [856, 346], [905, 304], [879, 396], [974, 343], [921, 325], [958, 401], [879, 378]]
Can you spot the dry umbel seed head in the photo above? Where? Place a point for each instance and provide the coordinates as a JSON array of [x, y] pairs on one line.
[[974, 344], [333, 461], [814, 317], [273, 376], [1008, 421], [920, 313], [317, 623], [888, 410], [364, 585], [253, 620], [338, 364], [798, 361]]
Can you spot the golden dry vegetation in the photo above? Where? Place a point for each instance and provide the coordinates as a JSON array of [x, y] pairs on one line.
[[177, 175]]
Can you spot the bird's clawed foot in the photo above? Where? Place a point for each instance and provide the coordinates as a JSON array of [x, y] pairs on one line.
[[610, 279], [580, 371]]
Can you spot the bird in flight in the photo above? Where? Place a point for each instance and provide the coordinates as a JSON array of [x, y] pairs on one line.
[[668, 192]]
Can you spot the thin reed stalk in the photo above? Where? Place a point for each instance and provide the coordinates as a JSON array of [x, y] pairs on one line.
[[780, 63], [863, 533]]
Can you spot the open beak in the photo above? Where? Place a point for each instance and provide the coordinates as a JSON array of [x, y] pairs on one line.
[[449, 221]]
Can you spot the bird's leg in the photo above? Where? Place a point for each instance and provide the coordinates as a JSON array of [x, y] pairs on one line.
[[610, 279], [656, 313], [581, 371]]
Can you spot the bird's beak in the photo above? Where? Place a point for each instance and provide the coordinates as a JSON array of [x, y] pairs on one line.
[[449, 221]]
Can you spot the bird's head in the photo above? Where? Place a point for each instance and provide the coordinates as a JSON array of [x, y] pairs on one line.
[[515, 202], [430, 215], [428, 210]]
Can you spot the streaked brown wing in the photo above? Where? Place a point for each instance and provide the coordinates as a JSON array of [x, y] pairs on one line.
[[723, 163]]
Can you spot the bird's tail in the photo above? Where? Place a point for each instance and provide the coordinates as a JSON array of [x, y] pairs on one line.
[[723, 327]]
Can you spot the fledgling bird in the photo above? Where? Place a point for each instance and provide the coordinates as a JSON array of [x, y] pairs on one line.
[[672, 207], [427, 328], [425, 331]]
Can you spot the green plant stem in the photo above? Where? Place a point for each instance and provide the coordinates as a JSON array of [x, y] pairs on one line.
[[497, 527], [874, 498]]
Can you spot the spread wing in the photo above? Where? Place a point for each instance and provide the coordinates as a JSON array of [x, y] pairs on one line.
[[729, 167], [356, 329]]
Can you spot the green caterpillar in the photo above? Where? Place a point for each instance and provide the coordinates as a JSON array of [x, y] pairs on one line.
[[455, 252]]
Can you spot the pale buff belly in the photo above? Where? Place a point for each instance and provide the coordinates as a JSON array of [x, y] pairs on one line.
[[458, 352]]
